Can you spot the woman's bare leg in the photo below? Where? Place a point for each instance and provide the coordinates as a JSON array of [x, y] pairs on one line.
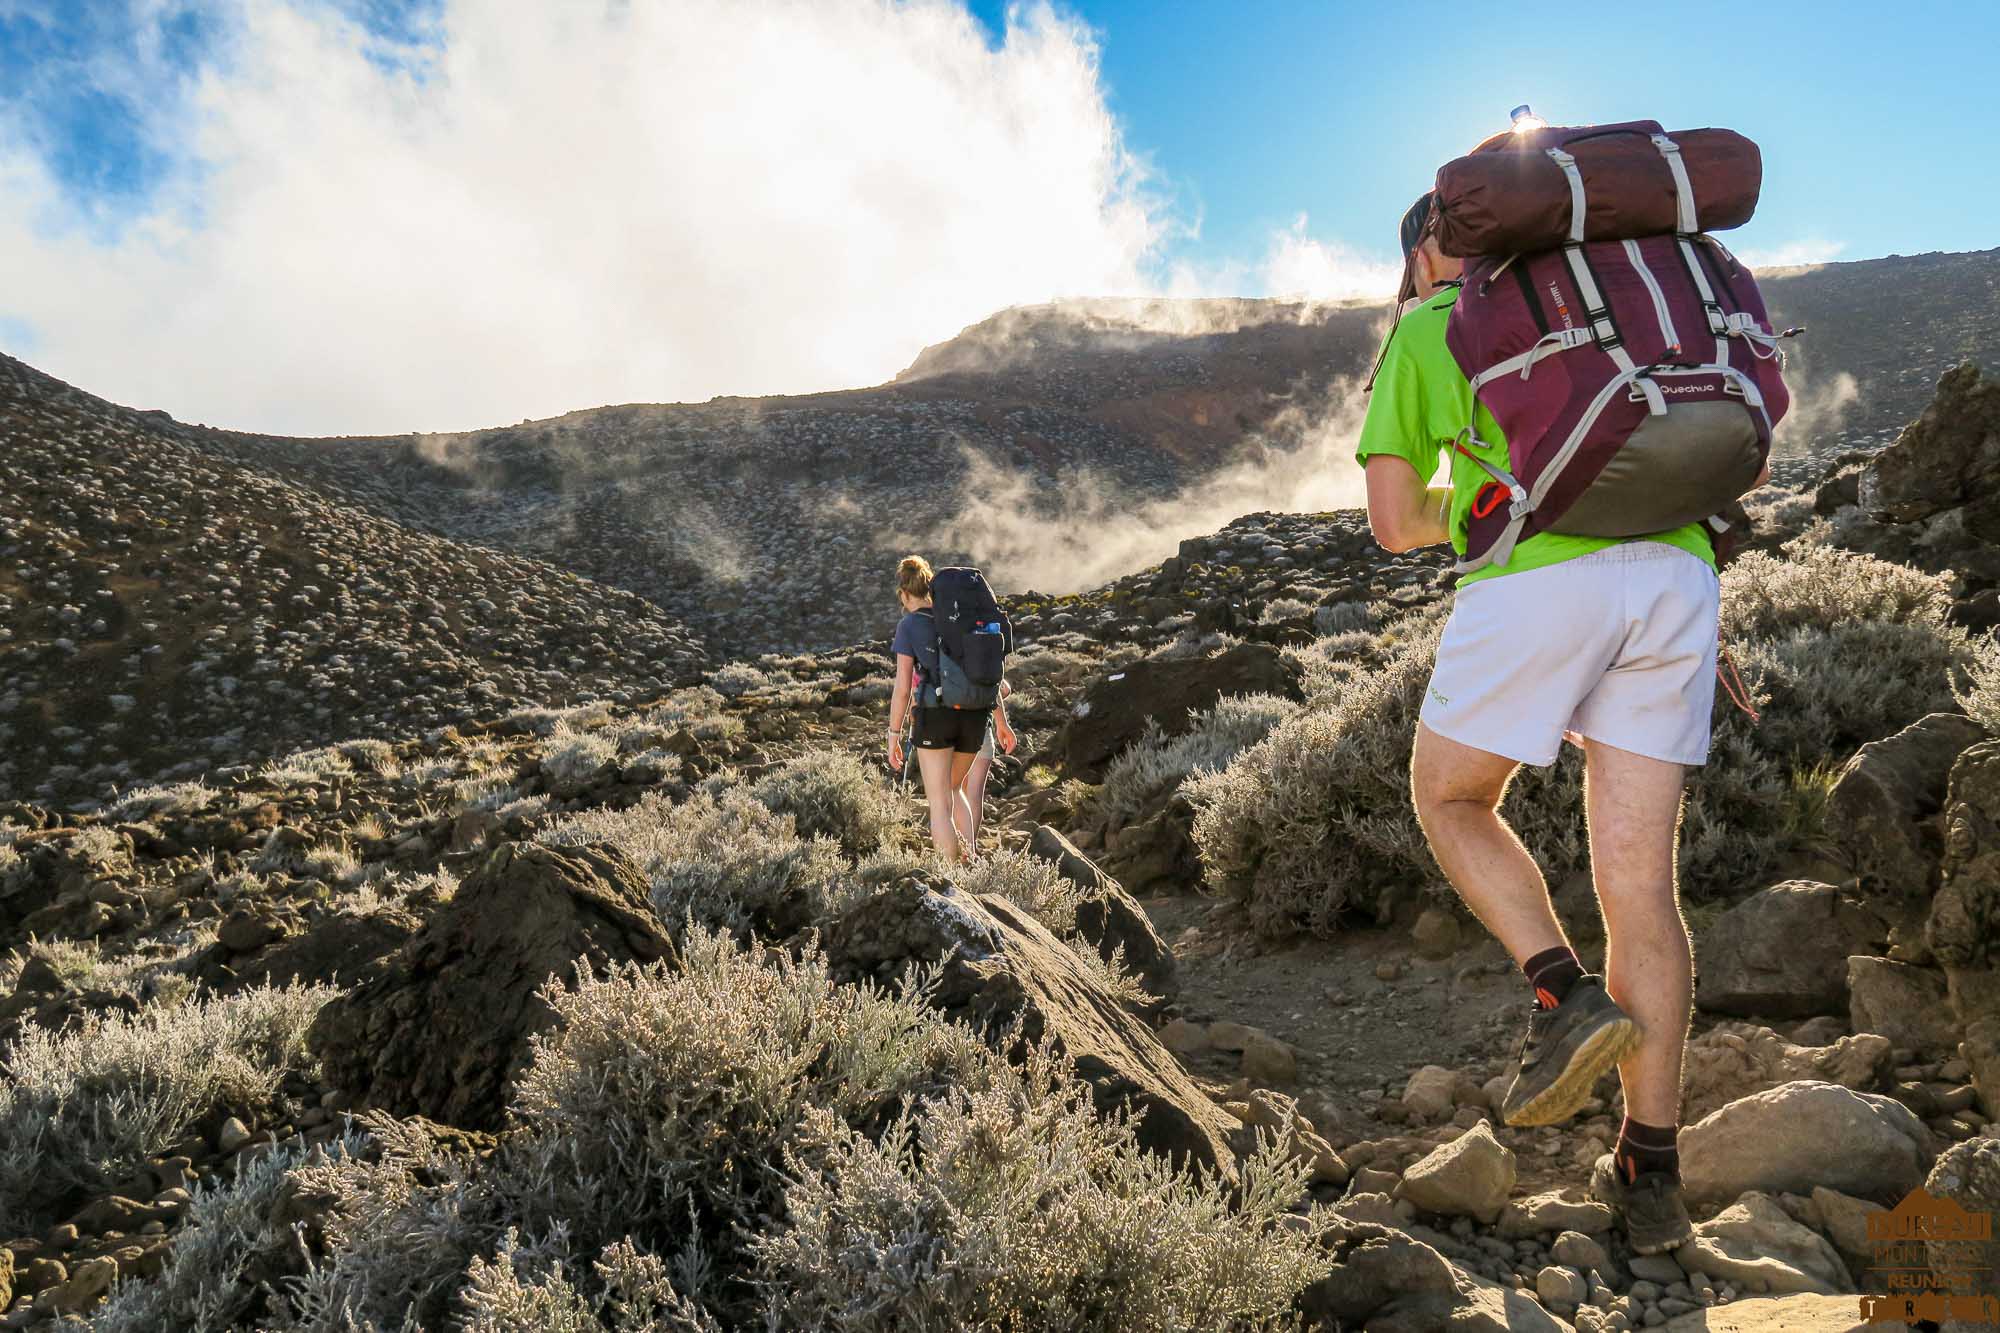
[[941, 791], [974, 788], [962, 814]]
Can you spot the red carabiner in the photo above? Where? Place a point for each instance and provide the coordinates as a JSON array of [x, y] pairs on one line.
[[1489, 498]]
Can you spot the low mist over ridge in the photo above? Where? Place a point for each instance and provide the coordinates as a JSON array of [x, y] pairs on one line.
[[1055, 445]]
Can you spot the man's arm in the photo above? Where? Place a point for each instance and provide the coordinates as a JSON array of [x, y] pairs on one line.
[[1403, 513]]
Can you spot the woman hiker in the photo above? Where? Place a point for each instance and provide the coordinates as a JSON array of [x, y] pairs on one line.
[[948, 740]]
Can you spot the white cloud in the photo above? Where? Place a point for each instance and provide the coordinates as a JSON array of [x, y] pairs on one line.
[[1303, 462], [1297, 265], [1793, 254], [574, 204]]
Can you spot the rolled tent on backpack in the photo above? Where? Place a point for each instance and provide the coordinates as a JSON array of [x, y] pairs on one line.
[[1520, 199]]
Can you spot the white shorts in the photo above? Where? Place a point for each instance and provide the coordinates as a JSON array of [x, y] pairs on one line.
[[1617, 646]]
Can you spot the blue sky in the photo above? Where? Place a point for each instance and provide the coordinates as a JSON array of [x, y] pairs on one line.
[[1879, 122], [323, 216]]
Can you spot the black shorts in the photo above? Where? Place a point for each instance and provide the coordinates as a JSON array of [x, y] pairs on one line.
[[960, 729]]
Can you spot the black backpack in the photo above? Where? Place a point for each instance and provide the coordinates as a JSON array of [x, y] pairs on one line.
[[974, 637]]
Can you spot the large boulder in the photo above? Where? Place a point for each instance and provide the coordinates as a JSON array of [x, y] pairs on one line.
[[1734, 1059], [1967, 1175], [442, 1030], [1803, 1134], [1108, 916], [1877, 805], [1782, 952], [1389, 1282], [1116, 706], [1981, 1051], [1932, 499], [1157, 853], [1755, 1244], [1946, 459], [1902, 1002], [1965, 914], [1469, 1177], [339, 949], [1801, 1312], [1000, 965]]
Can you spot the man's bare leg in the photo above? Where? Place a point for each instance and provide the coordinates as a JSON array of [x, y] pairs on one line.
[[1634, 807], [1634, 804], [1582, 1033], [1457, 790]]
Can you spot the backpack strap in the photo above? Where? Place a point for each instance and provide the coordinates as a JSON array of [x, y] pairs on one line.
[[1502, 548], [1596, 310], [925, 685], [1686, 230]]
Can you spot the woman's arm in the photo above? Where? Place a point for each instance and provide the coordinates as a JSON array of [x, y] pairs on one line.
[[1003, 730], [899, 702]]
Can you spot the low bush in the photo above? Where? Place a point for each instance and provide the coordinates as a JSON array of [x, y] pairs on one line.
[[1284, 608], [1836, 650], [1027, 881], [1015, 1206], [1153, 767], [740, 678], [728, 861], [744, 1143], [1316, 817], [182, 798], [82, 1109], [569, 756], [658, 1111], [1343, 618], [1980, 694], [830, 793], [518, 1290], [229, 1250]]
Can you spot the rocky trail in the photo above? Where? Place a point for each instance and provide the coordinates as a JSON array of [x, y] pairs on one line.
[[385, 1005]]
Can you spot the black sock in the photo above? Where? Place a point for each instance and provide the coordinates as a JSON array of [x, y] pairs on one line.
[[1552, 972], [1642, 1148]]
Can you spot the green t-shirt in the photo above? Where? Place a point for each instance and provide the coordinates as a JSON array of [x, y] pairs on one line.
[[1417, 409]]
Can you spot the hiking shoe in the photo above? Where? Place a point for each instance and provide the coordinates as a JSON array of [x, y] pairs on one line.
[[1567, 1048], [1654, 1209]]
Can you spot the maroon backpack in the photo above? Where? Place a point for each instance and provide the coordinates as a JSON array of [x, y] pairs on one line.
[[1636, 377]]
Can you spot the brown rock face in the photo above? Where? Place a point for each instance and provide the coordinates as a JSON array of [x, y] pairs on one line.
[[1108, 917], [1969, 1175], [1802, 1134], [1967, 907], [1001, 963], [1950, 456], [1884, 791], [443, 1029], [1782, 952], [1115, 707]]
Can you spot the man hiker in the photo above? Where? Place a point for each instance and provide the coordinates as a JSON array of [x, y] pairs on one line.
[[1609, 642]]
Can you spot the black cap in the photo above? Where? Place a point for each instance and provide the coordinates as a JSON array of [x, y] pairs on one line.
[[1416, 220], [1415, 223]]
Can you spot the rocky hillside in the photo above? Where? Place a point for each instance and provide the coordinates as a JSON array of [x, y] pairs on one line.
[[590, 1017], [769, 524], [165, 609]]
